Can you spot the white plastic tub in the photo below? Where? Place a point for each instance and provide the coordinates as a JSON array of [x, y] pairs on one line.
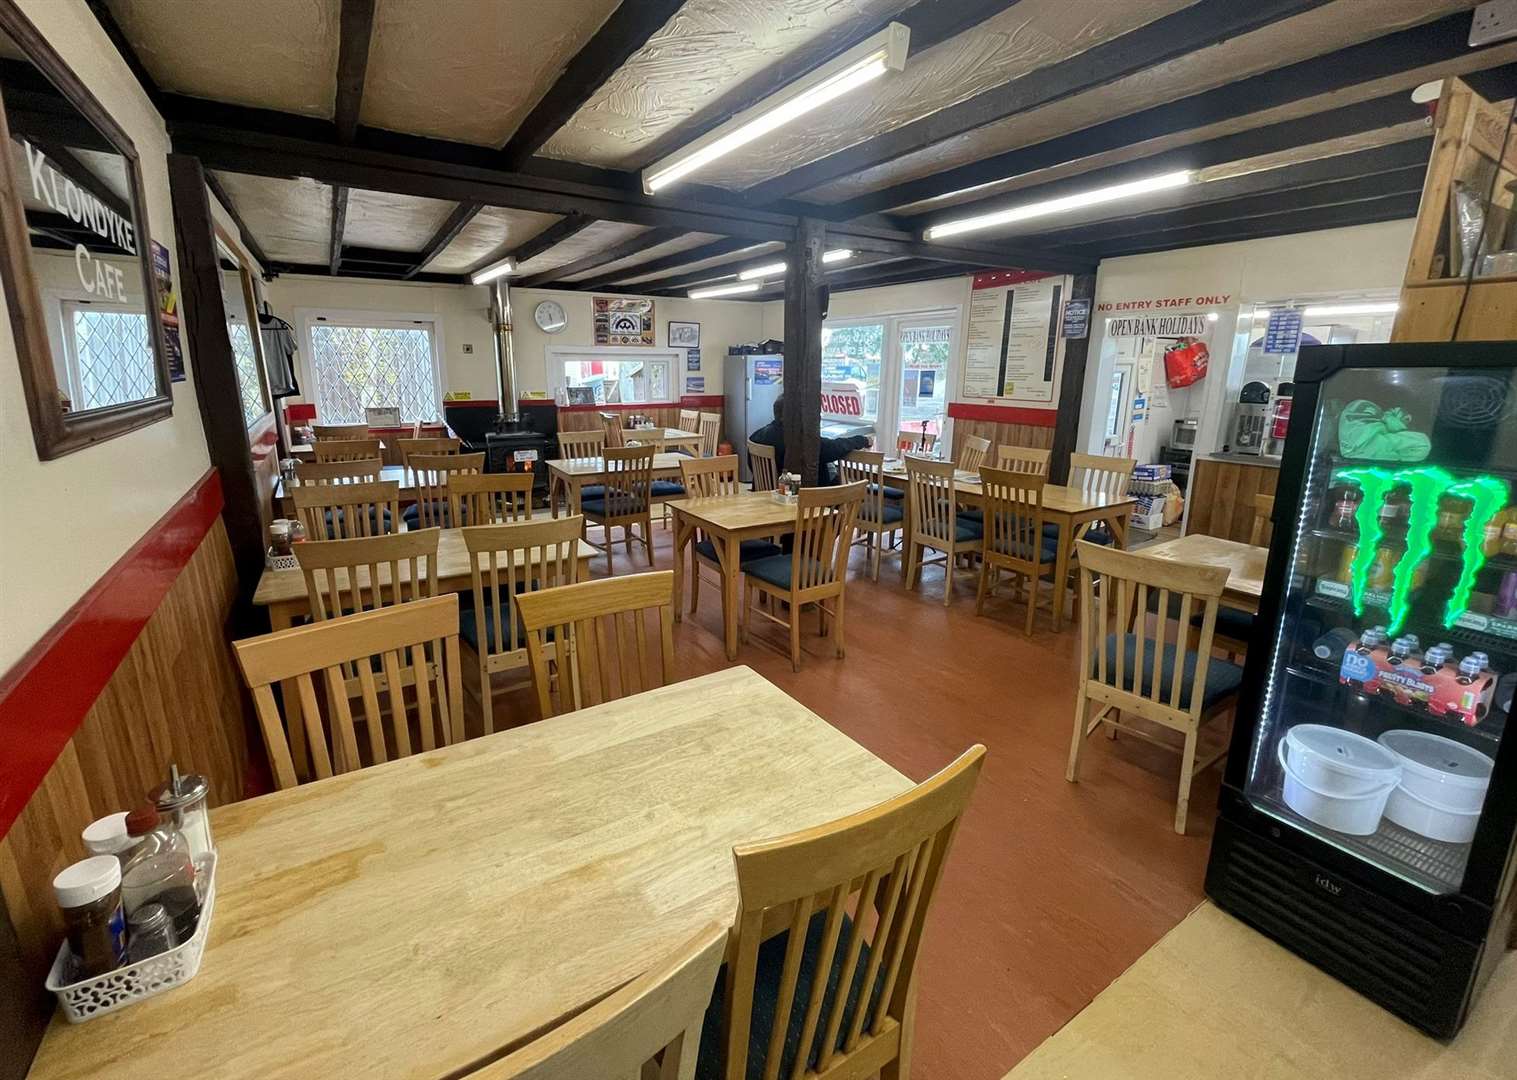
[[1357, 814], [1435, 822], [1339, 763], [1439, 771]]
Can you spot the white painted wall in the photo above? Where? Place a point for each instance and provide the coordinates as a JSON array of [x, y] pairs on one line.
[[69, 520]]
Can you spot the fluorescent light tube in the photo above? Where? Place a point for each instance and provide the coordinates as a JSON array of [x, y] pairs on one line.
[[1384, 308], [495, 270], [865, 62], [725, 290], [836, 255], [1060, 206]]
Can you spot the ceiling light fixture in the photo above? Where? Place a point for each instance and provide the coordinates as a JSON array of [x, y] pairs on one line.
[[493, 271], [725, 290], [1384, 308], [836, 255], [865, 62], [1060, 206]]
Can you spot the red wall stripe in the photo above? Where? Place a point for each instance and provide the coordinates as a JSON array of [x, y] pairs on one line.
[[46, 695], [1003, 414]]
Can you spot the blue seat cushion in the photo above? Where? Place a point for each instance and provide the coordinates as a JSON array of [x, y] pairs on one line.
[[775, 570], [598, 506], [890, 492], [891, 512], [470, 622], [966, 529], [441, 516], [1234, 623], [766, 992], [1096, 534], [376, 516], [592, 491], [1222, 678], [748, 550], [1048, 552], [663, 488]]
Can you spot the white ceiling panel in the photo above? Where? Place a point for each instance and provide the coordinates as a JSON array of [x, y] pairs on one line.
[[273, 54], [290, 219], [380, 219], [492, 229], [470, 70], [671, 247], [587, 241], [703, 264]]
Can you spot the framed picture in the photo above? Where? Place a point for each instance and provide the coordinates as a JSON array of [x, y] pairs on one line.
[[684, 335], [621, 320]]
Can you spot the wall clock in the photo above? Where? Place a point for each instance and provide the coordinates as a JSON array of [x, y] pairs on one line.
[[550, 316]]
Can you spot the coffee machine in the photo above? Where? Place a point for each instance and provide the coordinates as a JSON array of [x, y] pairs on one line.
[[1251, 419]]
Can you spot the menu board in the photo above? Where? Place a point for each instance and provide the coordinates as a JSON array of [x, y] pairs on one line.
[[1013, 348]]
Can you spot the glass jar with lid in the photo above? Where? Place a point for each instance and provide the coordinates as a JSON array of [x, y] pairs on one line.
[[181, 800]]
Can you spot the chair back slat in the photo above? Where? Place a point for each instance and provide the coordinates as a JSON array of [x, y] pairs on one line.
[[708, 477], [689, 419], [761, 462], [339, 431], [347, 576], [611, 427], [866, 467], [597, 653], [492, 498], [1013, 530], [1023, 459], [345, 511], [933, 501], [883, 865], [432, 445], [581, 445], [437, 503], [628, 480], [342, 652], [710, 430], [973, 452], [825, 518], [1104, 476], [345, 449], [364, 470], [1264, 511]]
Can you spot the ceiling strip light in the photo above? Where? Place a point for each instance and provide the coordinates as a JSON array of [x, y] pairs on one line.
[[1060, 206], [493, 271], [1384, 308], [865, 62], [775, 269], [725, 290]]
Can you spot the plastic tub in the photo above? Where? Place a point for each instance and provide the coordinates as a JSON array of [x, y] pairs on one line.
[[1357, 814], [1339, 763], [1439, 771], [1413, 812]]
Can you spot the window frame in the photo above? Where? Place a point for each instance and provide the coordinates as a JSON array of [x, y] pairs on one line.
[[892, 368], [307, 318], [557, 356], [64, 307]]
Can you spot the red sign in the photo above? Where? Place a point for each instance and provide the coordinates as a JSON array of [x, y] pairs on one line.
[[842, 399]]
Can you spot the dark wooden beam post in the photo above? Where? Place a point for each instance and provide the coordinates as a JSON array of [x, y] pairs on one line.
[[1071, 384], [803, 349], [220, 398], [356, 29]]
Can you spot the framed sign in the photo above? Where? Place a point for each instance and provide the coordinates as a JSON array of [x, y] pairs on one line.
[[684, 335], [621, 320], [1013, 352]]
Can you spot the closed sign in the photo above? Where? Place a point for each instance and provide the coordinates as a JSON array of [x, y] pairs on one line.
[[842, 399]]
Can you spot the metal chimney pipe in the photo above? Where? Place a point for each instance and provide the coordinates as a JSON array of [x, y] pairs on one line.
[[505, 356]]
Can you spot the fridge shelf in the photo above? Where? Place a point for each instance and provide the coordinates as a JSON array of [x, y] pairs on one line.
[[1485, 632], [1338, 461], [1442, 551], [1483, 736]]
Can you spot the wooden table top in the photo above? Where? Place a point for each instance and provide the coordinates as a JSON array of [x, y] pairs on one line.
[[732, 513], [594, 466], [1244, 562], [279, 586], [1216, 999], [409, 919], [1057, 498]]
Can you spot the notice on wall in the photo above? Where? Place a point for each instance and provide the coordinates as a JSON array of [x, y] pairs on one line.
[[622, 320], [1282, 334], [1013, 342], [695, 384], [168, 304], [692, 359]]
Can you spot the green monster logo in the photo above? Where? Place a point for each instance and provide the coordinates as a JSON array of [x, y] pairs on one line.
[[1428, 483]]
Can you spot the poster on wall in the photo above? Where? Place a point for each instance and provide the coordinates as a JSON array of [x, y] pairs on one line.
[[692, 359], [621, 320], [1182, 340], [695, 384], [169, 306], [1012, 352]]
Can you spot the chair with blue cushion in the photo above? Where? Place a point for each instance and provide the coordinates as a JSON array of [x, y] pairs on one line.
[[1024, 461], [507, 561], [1137, 658], [762, 466], [340, 511], [833, 995], [935, 523], [437, 506], [1013, 540], [493, 498], [626, 498], [707, 478], [879, 517], [972, 451], [816, 569], [344, 577]]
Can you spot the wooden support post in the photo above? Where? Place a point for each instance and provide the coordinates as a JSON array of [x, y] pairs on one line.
[[803, 350], [1071, 385]]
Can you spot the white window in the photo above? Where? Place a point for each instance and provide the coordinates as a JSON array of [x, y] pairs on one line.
[[613, 375], [359, 363], [248, 383], [108, 353]]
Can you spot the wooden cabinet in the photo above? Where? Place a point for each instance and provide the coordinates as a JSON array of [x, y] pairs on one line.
[[1221, 496]]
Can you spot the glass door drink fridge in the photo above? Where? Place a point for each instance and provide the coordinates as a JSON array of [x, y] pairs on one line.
[[1370, 798]]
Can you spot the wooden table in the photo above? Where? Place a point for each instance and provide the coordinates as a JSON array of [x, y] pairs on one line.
[[307, 451], [666, 438], [1215, 999], [567, 476], [727, 520], [1070, 508], [283, 592], [411, 919], [285, 505], [1245, 564]]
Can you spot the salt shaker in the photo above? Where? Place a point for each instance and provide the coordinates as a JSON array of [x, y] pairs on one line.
[[150, 932]]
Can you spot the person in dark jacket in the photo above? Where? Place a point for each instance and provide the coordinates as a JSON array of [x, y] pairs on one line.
[[832, 450]]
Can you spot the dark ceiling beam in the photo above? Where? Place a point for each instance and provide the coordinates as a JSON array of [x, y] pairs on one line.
[[713, 250], [356, 28], [1196, 27], [615, 253], [320, 270], [102, 12], [339, 222], [446, 233], [1406, 50], [999, 255], [888, 272], [249, 241], [554, 234], [624, 32], [681, 285]]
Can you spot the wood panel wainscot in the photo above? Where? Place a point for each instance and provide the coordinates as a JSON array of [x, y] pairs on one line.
[[1221, 496], [1002, 425], [137, 674]]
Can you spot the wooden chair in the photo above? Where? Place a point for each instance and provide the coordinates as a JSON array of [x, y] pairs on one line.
[[408, 646], [710, 430], [761, 462], [935, 522], [339, 431], [431, 445], [888, 861], [337, 472], [506, 562], [604, 623], [1014, 540], [879, 516], [1131, 662], [492, 498], [658, 1014], [707, 478], [973, 452], [581, 445], [689, 419], [1264, 511], [345, 449], [1023, 459], [347, 576], [815, 571], [343, 511], [437, 504], [626, 498], [611, 427], [1104, 475]]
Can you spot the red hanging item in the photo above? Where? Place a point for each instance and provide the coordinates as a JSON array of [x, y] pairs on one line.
[[1185, 362]]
